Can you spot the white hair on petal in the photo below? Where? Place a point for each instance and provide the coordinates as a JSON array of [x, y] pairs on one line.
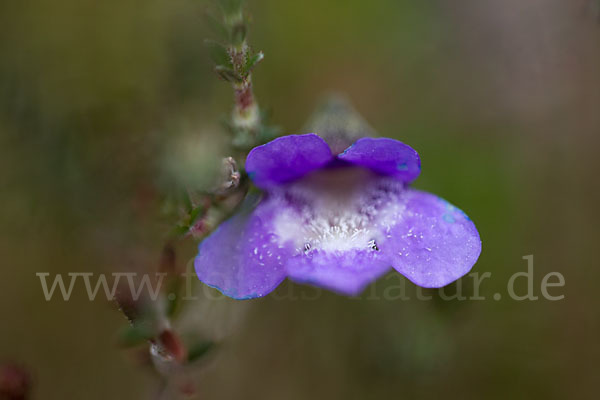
[[337, 209]]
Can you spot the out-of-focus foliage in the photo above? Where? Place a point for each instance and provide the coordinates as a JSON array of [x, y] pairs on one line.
[[103, 105]]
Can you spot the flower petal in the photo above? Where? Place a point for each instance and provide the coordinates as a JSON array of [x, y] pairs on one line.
[[385, 156], [333, 220], [433, 243], [286, 159], [344, 272], [241, 258]]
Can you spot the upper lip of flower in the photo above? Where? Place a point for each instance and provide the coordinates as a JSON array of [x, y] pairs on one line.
[[337, 221], [288, 158]]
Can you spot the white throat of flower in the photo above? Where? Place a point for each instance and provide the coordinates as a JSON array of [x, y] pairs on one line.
[[338, 210]]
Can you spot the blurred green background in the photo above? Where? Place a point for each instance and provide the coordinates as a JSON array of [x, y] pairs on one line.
[[500, 98]]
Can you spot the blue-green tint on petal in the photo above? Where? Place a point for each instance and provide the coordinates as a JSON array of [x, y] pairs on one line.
[[434, 243], [385, 156]]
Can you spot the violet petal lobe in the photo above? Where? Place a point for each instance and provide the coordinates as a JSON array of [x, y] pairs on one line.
[[434, 243], [286, 159], [345, 272], [385, 156], [241, 258]]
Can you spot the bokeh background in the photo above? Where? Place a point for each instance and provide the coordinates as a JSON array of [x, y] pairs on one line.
[[500, 98]]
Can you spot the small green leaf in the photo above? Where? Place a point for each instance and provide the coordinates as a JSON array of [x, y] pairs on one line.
[[194, 214], [231, 7], [238, 34], [217, 26], [253, 61], [199, 350], [227, 74], [186, 199], [218, 53], [179, 230], [133, 335]]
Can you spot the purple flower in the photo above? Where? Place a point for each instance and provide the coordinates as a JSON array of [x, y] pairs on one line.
[[337, 222]]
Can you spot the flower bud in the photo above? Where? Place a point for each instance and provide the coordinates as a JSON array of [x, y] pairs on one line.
[[230, 175]]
